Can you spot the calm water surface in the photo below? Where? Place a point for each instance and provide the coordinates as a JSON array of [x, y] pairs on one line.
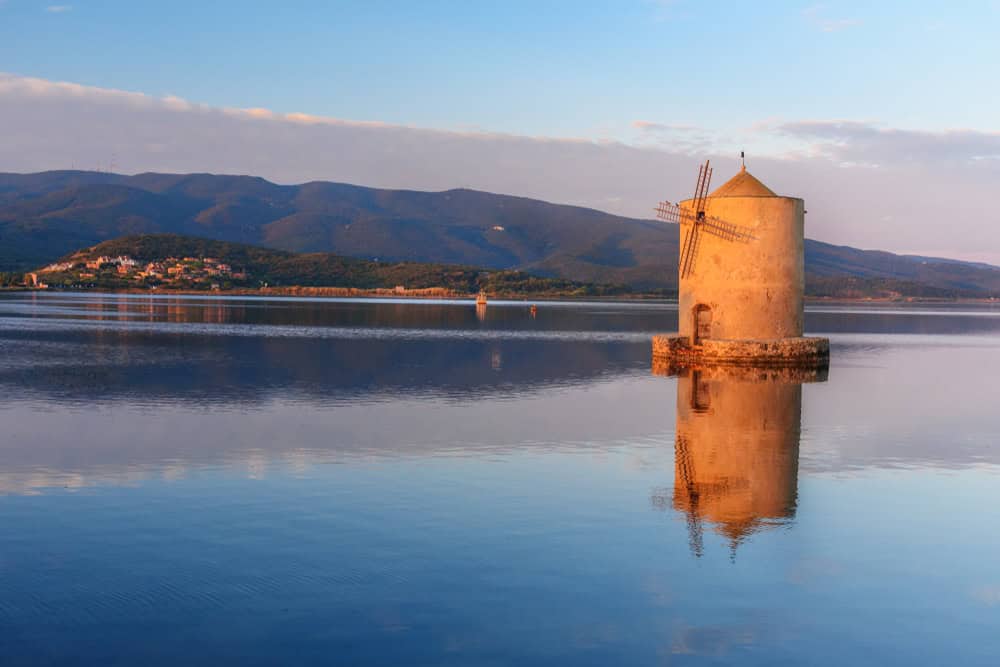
[[202, 481]]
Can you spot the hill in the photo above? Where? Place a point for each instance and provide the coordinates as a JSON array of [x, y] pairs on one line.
[[179, 262], [46, 215]]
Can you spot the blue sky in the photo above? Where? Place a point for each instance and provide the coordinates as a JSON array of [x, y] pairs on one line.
[[883, 116], [540, 68]]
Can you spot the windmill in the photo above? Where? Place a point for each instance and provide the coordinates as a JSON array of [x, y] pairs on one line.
[[698, 221]]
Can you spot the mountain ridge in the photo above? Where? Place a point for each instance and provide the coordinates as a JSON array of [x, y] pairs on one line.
[[48, 214]]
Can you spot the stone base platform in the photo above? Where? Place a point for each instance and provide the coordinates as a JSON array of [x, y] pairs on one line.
[[777, 352], [742, 372]]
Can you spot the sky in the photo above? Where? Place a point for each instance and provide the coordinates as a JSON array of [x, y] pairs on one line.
[[883, 116]]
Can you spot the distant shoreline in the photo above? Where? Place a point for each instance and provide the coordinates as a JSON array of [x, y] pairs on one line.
[[349, 293], [438, 295]]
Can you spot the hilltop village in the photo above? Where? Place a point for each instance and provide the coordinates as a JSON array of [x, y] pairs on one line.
[[197, 273]]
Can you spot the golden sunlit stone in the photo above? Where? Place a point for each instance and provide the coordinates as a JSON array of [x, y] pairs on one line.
[[737, 447], [740, 299]]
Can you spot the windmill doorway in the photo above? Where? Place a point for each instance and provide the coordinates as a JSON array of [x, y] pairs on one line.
[[702, 328]]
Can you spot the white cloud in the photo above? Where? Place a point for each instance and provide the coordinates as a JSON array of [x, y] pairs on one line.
[[929, 191], [58, 9]]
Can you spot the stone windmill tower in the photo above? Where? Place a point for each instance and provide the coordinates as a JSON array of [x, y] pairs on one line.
[[741, 271]]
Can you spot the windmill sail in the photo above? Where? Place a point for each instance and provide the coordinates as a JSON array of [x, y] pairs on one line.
[[698, 204], [696, 220], [726, 230], [670, 212]]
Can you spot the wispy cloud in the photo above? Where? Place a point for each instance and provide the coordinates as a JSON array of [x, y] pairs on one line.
[[679, 137], [58, 9], [34, 87], [870, 143], [836, 25], [650, 126], [817, 16]]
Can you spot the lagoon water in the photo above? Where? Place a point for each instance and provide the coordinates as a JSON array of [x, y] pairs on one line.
[[233, 480]]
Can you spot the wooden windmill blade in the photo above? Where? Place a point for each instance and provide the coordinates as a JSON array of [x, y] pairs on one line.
[[670, 212], [690, 239], [686, 260], [697, 220], [726, 230], [701, 189]]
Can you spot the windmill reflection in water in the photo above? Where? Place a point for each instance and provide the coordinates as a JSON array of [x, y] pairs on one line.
[[736, 449]]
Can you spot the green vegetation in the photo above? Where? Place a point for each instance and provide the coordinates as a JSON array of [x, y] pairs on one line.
[[852, 287], [11, 279], [181, 262], [170, 261]]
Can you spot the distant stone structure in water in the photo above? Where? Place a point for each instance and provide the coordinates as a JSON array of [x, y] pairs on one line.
[[737, 449], [741, 270]]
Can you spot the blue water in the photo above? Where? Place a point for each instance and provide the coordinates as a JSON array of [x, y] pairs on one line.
[[208, 481]]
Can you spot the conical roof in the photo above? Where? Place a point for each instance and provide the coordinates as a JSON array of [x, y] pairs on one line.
[[743, 184]]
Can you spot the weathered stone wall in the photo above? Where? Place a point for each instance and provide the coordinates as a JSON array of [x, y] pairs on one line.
[[798, 351], [754, 288]]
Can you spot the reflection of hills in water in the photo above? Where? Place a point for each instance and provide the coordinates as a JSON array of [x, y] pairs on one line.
[[633, 317], [107, 362], [373, 313], [925, 319], [737, 449], [150, 367]]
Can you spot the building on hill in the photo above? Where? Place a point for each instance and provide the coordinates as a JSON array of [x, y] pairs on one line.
[[32, 280]]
